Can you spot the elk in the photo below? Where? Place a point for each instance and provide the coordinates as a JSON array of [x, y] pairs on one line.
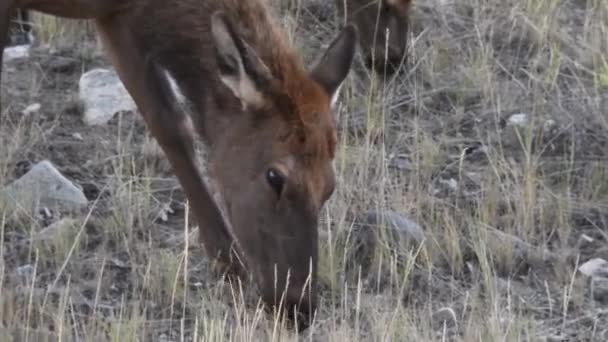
[[383, 27], [266, 119], [21, 28]]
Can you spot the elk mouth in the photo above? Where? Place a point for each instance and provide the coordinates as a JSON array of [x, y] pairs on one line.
[[298, 308], [389, 66]]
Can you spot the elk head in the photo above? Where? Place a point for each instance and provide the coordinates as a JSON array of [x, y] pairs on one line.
[[274, 165], [383, 28]]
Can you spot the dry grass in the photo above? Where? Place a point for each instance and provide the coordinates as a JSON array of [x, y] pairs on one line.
[[120, 274]]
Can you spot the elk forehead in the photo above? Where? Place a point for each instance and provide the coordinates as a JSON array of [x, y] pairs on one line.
[[312, 144], [310, 106]]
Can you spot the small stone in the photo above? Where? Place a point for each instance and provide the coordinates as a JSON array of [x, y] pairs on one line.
[[595, 268], [103, 95], [520, 120], [445, 316], [25, 270], [400, 162], [451, 183], [31, 109], [77, 136], [26, 273], [44, 186], [549, 126]]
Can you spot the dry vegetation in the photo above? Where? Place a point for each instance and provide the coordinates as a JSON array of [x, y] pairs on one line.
[[509, 212]]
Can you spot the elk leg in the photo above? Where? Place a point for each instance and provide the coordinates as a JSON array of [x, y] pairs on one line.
[[6, 12], [24, 27], [170, 127]]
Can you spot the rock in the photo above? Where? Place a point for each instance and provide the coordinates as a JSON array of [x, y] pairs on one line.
[[546, 134], [103, 95], [595, 268], [522, 250], [405, 229], [520, 120], [445, 186], [444, 317], [31, 109], [55, 230], [400, 162], [550, 126], [25, 270], [16, 52], [44, 186], [385, 229]]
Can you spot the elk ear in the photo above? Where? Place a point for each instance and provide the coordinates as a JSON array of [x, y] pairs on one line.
[[239, 67], [334, 65]]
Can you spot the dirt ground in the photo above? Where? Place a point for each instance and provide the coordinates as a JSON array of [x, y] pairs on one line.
[[509, 212]]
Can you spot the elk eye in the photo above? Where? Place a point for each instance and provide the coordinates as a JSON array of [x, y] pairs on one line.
[[276, 181]]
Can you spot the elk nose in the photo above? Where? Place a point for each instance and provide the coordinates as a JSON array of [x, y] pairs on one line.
[[301, 310], [298, 308], [387, 62]]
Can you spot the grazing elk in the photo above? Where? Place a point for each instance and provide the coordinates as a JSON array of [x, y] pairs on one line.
[[383, 28], [21, 28], [265, 118]]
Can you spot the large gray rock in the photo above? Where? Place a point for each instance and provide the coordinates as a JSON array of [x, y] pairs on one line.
[[380, 230], [402, 229], [44, 186], [103, 95]]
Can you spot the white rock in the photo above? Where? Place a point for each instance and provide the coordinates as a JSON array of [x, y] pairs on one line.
[[520, 120], [44, 186], [103, 95], [25, 270], [451, 183], [16, 52], [595, 268], [31, 109]]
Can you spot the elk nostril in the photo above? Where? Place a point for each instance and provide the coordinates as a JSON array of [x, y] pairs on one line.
[[383, 66], [301, 314]]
